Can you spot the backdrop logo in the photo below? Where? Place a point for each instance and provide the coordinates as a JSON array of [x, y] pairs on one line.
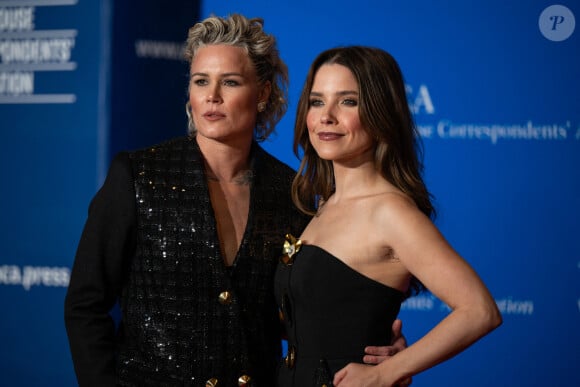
[[557, 23], [493, 133], [419, 303], [29, 276], [516, 307], [420, 100], [157, 49], [506, 306], [27, 52]]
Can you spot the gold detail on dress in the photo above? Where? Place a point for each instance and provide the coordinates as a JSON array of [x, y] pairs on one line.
[[290, 357], [225, 298], [213, 382], [291, 247], [244, 380]]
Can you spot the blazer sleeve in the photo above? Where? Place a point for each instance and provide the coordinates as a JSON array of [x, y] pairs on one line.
[[105, 248]]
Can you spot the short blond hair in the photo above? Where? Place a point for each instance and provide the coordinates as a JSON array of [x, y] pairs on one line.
[[239, 31]]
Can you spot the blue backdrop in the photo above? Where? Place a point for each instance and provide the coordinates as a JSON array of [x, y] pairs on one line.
[[79, 80], [493, 85]]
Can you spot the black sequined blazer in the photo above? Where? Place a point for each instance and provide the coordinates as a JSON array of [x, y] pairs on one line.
[[150, 243]]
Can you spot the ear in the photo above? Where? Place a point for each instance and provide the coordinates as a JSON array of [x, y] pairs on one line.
[[265, 92]]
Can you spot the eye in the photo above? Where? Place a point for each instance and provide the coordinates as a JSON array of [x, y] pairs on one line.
[[315, 102], [231, 82], [350, 102], [199, 81]]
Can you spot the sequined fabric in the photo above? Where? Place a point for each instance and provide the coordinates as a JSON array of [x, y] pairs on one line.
[[186, 319]]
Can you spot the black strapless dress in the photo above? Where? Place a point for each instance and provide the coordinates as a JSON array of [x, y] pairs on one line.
[[330, 312]]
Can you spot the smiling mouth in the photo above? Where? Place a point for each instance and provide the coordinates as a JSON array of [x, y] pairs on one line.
[[329, 136]]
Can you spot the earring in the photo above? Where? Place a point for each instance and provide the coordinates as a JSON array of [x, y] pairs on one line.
[[261, 106]]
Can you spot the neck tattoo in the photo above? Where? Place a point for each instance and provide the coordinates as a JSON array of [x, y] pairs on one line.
[[242, 178]]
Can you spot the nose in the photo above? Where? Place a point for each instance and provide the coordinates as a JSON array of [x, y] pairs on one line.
[[213, 94], [328, 117]]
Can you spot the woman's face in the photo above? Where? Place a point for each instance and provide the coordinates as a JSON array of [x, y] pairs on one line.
[[333, 120], [224, 93]]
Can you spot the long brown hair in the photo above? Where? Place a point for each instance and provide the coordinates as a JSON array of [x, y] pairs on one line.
[[384, 113]]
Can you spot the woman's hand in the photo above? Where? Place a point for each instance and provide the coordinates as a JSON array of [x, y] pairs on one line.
[[376, 355], [363, 375], [359, 375]]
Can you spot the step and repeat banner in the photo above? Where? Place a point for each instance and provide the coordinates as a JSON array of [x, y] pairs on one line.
[[52, 125], [79, 80], [493, 86]]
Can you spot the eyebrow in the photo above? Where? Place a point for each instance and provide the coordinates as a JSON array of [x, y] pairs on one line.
[[221, 75], [340, 93]]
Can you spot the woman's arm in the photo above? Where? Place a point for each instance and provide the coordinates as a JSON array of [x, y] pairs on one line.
[[427, 255], [106, 244]]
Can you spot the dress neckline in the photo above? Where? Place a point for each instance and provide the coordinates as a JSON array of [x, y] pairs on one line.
[[347, 267]]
